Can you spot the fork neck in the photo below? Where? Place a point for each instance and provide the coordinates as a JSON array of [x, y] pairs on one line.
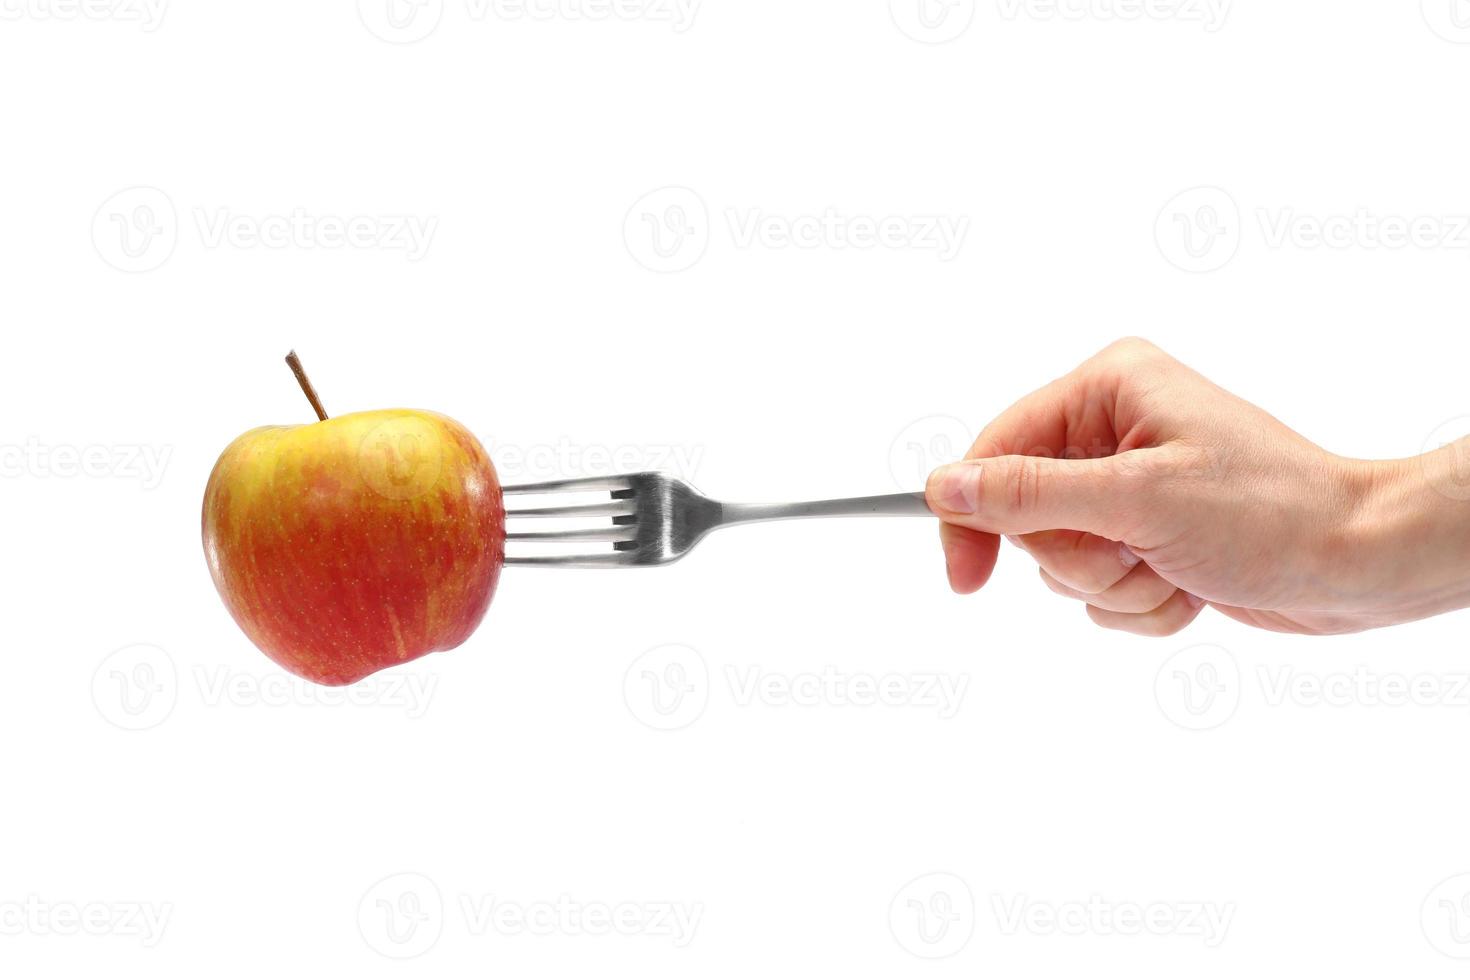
[[884, 505]]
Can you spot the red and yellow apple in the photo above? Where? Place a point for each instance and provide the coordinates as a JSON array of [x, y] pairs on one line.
[[355, 543]]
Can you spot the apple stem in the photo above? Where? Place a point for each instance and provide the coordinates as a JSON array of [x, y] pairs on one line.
[[305, 382]]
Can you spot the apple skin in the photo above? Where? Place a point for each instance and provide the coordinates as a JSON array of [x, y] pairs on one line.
[[358, 543]]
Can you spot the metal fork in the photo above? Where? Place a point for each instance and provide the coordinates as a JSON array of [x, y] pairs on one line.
[[653, 519]]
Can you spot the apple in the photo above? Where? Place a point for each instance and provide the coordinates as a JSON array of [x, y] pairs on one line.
[[356, 543]]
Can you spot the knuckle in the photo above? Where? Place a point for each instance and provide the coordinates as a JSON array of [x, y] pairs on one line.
[[1169, 619], [1168, 628], [1057, 589], [1157, 595], [1131, 348], [1023, 485], [1091, 581], [1055, 584]]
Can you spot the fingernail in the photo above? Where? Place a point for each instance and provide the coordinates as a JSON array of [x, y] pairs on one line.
[[1194, 600], [1128, 557], [959, 488]]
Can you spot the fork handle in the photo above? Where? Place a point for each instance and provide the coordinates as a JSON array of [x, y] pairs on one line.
[[884, 505]]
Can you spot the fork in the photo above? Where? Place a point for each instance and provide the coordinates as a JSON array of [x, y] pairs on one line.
[[653, 519]]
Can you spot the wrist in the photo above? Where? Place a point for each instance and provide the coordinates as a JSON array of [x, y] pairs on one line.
[[1406, 551]]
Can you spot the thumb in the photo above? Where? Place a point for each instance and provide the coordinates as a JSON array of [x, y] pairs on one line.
[[1022, 494]]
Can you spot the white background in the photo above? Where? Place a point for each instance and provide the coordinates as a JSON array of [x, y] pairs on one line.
[[191, 778]]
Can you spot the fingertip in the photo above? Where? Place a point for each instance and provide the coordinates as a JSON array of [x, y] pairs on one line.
[[954, 488], [969, 557], [1173, 616]]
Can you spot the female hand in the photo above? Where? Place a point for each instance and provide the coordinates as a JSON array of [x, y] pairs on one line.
[[1147, 492]]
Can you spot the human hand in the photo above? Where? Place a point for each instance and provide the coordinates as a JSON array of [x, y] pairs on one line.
[[1147, 492]]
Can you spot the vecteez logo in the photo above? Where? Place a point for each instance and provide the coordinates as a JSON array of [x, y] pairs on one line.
[[1450, 19], [941, 234], [669, 230], [401, 916], [1198, 230], [1445, 917], [400, 21], [1201, 230], [408, 693], [404, 916], [1363, 229], [146, 14], [677, 14], [1208, 922], [676, 922], [1198, 688], [940, 21], [932, 21], [138, 230], [933, 916], [38, 460], [1201, 687], [300, 229], [136, 688], [1361, 688], [1209, 14], [943, 694], [669, 688], [410, 21], [35, 916]]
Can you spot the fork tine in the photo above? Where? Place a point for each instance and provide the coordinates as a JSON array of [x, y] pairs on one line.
[[618, 507], [584, 483], [606, 559], [612, 532]]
